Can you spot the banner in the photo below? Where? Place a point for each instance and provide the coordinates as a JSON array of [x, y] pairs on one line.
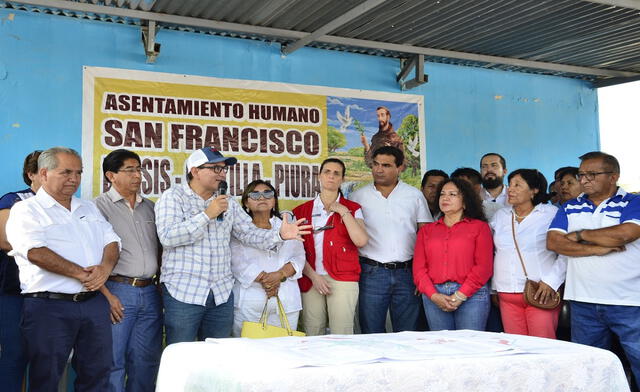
[[278, 132]]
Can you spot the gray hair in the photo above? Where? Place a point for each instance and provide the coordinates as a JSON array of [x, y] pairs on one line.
[[49, 158]]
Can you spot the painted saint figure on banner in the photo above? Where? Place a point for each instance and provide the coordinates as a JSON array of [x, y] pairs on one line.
[[386, 136]]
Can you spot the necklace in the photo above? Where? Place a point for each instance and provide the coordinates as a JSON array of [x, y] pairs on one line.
[[523, 216]]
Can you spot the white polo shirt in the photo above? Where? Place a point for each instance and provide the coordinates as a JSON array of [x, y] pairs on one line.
[[79, 235], [392, 222], [612, 279]]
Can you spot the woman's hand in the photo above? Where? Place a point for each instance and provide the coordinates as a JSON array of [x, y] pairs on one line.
[[270, 282], [444, 302], [271, 279], [321, 285], [338, 208], [545, 293]]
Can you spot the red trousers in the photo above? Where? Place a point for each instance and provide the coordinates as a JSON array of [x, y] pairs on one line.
[[522, 319]]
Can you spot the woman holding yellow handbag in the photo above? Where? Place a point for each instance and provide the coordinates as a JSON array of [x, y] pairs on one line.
[[261, 274]]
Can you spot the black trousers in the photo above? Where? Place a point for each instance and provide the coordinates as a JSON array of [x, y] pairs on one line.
[[52, 327]]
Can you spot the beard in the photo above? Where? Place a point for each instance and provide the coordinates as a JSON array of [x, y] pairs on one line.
[[384, 125], [492, 183]]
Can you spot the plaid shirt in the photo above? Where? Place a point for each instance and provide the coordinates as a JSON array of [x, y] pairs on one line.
[[196, 256]]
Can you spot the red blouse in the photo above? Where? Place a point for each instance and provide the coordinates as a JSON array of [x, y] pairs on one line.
[[462, 253]]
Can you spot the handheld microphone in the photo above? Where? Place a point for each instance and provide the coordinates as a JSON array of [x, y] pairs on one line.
[[222, 190]]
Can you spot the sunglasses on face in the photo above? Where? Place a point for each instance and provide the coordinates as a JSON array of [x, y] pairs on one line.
[[255, 195]]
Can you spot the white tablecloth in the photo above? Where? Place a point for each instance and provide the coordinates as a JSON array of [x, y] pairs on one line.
[[410, 361]]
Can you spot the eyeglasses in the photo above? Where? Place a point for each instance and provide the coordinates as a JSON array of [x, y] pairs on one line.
[[322, 228], [590, 176], [131, 170], [216, 169], [450, 194], [255, 195]]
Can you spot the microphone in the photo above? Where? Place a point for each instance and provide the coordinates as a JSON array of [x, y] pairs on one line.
[[222, 190]]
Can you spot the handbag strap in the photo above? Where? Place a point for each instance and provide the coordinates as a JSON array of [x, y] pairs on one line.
[[513, 231], [284, 321], [263, 316]]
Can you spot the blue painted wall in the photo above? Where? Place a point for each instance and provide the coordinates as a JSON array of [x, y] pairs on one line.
[[535, 121]]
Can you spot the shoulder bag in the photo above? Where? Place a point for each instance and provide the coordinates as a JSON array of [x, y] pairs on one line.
[[530, 286]]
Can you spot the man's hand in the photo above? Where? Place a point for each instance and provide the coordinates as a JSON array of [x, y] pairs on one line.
[[98, 274], [219, 205], [363, 140], [603, 250], [295, 230], [116, 310]]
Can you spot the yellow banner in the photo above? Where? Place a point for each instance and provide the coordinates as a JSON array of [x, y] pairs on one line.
[[278, 134]]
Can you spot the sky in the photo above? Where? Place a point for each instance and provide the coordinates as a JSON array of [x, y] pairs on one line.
[[364, 110], [619, 108]]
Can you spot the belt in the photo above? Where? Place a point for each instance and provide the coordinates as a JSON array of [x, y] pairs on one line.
[[77, 297], [394, 265], [136, 282]]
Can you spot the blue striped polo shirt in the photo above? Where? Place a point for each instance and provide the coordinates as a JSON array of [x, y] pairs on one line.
[[612, 279]]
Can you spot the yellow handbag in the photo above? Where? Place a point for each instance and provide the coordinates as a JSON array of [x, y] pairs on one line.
[[261, 329]]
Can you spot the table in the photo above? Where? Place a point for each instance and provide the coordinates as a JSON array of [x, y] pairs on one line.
[[407, 361]]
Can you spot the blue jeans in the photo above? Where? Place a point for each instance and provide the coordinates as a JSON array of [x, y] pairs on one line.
[[12, 358], [137, 339], [592, 324], [472, 314], [393, 290], [185, 322]]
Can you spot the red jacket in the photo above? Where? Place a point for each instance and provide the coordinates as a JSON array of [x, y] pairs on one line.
[[339, 253]]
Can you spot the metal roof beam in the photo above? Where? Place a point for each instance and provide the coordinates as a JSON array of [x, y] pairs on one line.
[[631, 4], [331, 26], [296, 35], [574, 69], [614, 81]]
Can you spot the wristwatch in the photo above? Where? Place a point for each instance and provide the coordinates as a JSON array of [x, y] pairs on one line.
[[284, 277]]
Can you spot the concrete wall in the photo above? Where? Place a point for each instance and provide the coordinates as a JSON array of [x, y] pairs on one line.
[[534, 121]]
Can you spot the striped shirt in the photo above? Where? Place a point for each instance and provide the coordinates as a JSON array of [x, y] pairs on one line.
[[196, 256], [612, 279]]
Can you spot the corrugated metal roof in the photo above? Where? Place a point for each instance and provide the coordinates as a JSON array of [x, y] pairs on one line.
[[575, 33]]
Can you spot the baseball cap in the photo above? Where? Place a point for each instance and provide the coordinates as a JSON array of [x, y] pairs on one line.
[[207, 155]]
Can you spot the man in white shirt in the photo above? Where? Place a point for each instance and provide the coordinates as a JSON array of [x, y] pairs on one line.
[[393, 212], [65, 251], [599, 231], [493, 168]]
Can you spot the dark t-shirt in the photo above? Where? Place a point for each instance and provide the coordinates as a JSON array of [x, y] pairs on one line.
[[9, 277]]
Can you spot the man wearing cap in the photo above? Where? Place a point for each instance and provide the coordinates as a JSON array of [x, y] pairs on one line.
[[136, 309], [195, 223], [65, 251]]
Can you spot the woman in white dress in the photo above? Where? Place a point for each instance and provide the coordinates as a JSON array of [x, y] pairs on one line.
[[260, 274]]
